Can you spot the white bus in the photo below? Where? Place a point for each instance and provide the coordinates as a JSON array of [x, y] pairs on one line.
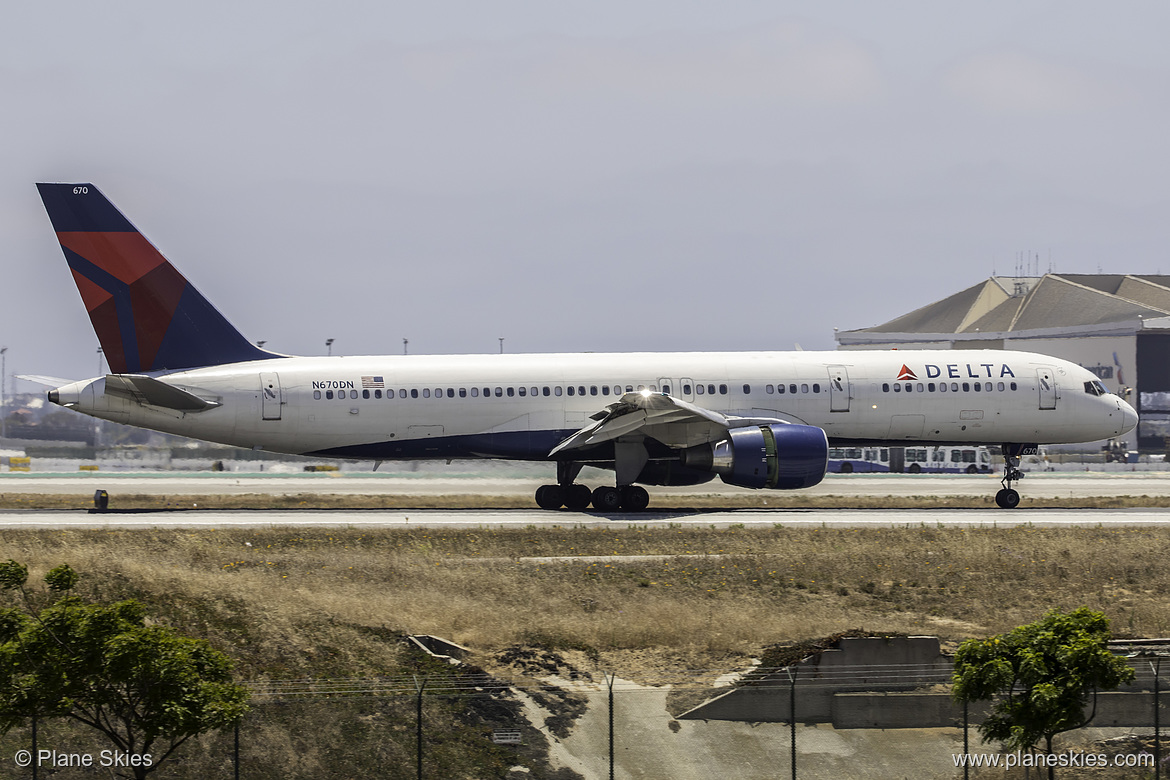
[[914, 460]]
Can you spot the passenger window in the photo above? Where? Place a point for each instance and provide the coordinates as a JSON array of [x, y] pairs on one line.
[[450, 392], [641, 388], [329, 394], [816, 387], [523, 391], [629, 388], [426, 392], [570, 390], [535, 391], [499, 392], [792, 389], [700, 390], [930, 387], [557, 390], [475, 392], [686, 389], [1013, 385], [920, 387], [909, 387], [978, 387], [885, 387], [999, 387], [897, 388], [545, 391], [353, 393], [780, 389], [377, 394], [804, 388], [942, 387], [316, 395], [605, 389], [710, 389], [769, 389], [954, 387], [511, 392], [966, 387]]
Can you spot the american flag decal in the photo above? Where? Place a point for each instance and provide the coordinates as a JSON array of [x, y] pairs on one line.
[[369, 382]]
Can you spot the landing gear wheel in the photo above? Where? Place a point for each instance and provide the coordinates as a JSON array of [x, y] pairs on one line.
[[846, 468], [550, 497], [577, 497], [972, 469], [607, 499], [1007, 499], [634, 498]]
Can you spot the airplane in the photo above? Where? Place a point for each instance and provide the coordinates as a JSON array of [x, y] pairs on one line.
[[761, 420]]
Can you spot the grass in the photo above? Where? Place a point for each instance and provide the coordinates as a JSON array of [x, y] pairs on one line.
[[297, 602]]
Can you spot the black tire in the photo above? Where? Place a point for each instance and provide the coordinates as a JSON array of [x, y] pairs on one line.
[[846, 468], [1007, 499], [577, 497], [607, 499], [972, 469], [914, 469], [550, 497], [634, 498]]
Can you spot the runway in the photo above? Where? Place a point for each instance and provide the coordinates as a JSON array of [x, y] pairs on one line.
[[1059, 484], [535, 518]]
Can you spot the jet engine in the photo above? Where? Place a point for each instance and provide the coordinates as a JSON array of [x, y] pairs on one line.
[[780, 457]]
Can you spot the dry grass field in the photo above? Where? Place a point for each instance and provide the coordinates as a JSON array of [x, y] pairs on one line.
[[335, 602], [296, 602]]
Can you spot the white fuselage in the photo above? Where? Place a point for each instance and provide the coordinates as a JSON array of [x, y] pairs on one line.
[[521, 406]]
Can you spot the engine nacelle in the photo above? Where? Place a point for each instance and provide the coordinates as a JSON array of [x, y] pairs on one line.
[[780, 457]]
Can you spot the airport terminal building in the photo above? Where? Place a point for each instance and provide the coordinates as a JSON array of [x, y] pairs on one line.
[[1117, 326]]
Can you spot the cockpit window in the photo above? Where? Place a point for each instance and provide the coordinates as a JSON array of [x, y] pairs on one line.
[[1095, 387]]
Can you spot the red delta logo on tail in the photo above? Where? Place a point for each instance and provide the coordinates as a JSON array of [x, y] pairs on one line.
[[906, 373]]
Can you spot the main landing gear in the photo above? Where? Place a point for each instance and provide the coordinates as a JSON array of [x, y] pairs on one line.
[[569, 494], [631, 498], [1007, 498]]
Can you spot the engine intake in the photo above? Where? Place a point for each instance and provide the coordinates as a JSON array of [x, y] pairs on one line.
[[779, 457]]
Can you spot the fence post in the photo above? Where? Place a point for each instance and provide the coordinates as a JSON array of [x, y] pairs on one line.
[[418, 728], [609, 683], [1156, 666], [792, 716], [966, 745]]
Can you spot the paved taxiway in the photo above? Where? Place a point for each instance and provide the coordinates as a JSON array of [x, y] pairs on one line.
[[523, 518], [1058, 484]]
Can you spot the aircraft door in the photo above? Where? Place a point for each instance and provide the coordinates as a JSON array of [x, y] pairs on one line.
[[1046, 382], [667, 386], [838, 389], [685, 389], [271, 396]]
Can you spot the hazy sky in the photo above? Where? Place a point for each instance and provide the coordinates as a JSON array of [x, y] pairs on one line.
[[579, 176]]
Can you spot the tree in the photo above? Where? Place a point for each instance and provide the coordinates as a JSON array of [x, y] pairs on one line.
[[147, 688], [1042, 676]]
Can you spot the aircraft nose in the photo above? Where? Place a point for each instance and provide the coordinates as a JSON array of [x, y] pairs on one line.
[[1129, 417]]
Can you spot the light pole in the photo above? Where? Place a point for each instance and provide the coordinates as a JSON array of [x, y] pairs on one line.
[[329, 346], [404, 343], [3, 399], [501, 345]]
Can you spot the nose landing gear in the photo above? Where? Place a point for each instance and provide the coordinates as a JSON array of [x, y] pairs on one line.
[[1008, 498]]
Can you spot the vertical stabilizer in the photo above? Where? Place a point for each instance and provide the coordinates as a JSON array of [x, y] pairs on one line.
[[146, 315]]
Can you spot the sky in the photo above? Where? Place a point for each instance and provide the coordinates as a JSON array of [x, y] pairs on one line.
[[579, 176]]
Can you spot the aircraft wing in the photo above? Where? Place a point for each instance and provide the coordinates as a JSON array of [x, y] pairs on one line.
[[47, 381], [667, 419], [148, 390]]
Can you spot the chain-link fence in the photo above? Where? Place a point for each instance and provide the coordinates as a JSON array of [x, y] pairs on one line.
[[880, 721]]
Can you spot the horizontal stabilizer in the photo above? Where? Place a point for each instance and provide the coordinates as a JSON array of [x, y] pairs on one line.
[[47, 381], [148, 390]]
